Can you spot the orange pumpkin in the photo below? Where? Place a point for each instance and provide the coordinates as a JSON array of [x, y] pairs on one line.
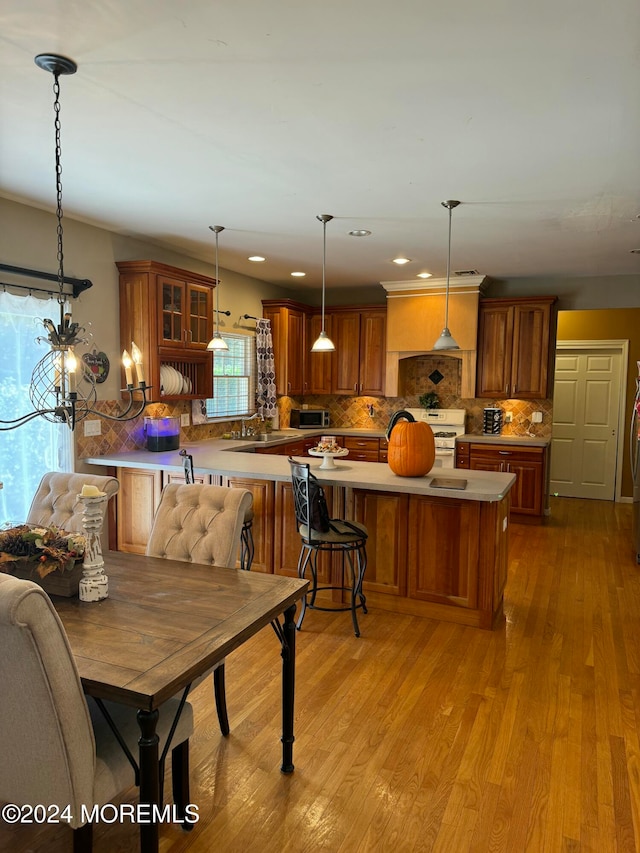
[[412, 449]]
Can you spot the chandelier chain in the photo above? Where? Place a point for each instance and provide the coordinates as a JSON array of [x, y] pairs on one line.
[[58, 155]]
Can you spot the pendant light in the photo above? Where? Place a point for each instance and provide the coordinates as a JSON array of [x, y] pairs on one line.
[[216, 342], [323, 342], [446, 341], [62, 388]]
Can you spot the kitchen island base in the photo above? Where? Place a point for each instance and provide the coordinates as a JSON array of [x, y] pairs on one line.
[[441, 554]]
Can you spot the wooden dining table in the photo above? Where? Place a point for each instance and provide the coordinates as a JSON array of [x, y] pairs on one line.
[[164, 623]]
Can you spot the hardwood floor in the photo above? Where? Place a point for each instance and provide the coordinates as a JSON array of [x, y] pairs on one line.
[[427, 736]]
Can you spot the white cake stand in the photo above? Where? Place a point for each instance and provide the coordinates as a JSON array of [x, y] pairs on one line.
[[328, 456]]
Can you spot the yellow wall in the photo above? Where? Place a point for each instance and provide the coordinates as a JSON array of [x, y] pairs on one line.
[[609, 324]]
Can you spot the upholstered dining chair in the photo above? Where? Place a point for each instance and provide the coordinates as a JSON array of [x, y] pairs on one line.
[[201, 524], [247, 545], [56, 499], [57, 747]]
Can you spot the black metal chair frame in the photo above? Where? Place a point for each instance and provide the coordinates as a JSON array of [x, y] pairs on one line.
[[350, 544]]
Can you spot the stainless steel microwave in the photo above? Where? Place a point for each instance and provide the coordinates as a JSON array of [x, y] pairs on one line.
[[309, 418]]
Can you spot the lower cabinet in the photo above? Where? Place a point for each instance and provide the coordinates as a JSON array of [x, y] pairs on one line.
[[263, 513], [444, 542], [384, 514], [529, 464], [136, 501], [434, 556], [287, 542], [427, 556]]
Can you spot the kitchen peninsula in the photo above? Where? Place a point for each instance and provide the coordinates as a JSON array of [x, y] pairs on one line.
[[433, 552]]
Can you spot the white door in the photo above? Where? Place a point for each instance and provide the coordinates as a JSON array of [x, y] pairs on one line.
[[586, 409]]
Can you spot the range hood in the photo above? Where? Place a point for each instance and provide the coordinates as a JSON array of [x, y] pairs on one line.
[[415, 317]]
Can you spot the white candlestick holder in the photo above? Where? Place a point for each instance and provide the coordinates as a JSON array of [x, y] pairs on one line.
[[94, 584]]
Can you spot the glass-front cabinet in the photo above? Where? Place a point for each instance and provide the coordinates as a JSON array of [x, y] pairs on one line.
[[185, 314]]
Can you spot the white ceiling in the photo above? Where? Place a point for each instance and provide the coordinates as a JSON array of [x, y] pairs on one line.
[[260, 114]]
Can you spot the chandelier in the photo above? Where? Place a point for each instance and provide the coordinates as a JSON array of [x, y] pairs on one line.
[[62, 388]]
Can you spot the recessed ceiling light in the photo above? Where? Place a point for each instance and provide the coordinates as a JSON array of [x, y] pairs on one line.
[[298, 274], [257, 259], [359, 232], [401, 261], [424, 275]]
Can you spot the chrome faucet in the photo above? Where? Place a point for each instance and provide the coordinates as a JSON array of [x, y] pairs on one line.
[[245, 431]]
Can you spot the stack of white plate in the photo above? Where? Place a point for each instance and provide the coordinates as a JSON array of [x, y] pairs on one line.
[[172, 382]]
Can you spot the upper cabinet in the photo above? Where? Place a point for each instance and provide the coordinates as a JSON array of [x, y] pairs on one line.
[[357, 367], [168, 312], [288, 329], [186, 312], [359, 361], [516, 345], [319, 364]]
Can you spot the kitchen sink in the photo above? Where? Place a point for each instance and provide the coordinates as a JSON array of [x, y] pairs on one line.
[[267, 437]]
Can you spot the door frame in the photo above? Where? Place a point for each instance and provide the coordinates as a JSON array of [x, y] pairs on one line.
[[622, 347]]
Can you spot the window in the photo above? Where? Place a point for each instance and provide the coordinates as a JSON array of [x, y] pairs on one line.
[[234, 379], [28, 451]]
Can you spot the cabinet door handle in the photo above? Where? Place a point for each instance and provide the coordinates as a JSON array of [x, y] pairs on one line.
[[355, 387], [504, 452], [288, 386], [515, 390], [506, 390]]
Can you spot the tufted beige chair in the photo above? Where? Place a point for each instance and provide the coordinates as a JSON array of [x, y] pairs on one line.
[[56, 499], [201, 524], [57, 749]]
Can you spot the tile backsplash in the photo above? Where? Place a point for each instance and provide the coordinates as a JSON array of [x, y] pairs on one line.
[[418, 376]]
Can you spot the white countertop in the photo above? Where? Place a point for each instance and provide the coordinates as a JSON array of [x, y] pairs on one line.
[[516, 440], [217, 456]]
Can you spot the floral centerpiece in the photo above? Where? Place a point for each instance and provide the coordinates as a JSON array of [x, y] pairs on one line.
[[43, 549]]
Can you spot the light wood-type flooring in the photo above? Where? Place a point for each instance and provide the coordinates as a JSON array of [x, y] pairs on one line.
[[427, 736]]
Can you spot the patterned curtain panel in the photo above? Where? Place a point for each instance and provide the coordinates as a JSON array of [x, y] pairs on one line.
[[266, 380]]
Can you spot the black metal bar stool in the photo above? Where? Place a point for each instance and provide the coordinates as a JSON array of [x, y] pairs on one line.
[[247, 547], [346, 537]]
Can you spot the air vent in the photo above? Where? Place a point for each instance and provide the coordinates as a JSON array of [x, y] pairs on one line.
[[466, 272]]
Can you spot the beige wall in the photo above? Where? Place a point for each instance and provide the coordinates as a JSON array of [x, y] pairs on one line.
[[28, 239]]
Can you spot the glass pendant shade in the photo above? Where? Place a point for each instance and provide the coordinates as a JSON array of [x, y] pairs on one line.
[[446, 339], [323, 342], [216, 342]]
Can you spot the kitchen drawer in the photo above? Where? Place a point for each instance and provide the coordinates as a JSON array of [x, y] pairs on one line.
[[362, 449], [462, 455]]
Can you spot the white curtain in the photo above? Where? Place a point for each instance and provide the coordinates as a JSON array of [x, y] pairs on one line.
[[26, 452]]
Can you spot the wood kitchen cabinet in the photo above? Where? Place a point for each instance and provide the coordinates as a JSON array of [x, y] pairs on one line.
[[360, 340], [168, 312], [319, 364], [288, 329], [287, 542], [516, 347], [362, 449], [384, 514], [443, 552], [136, 501], [263, 509], [529, 464]]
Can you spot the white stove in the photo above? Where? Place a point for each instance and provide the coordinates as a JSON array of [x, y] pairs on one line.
[[447, 425]]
